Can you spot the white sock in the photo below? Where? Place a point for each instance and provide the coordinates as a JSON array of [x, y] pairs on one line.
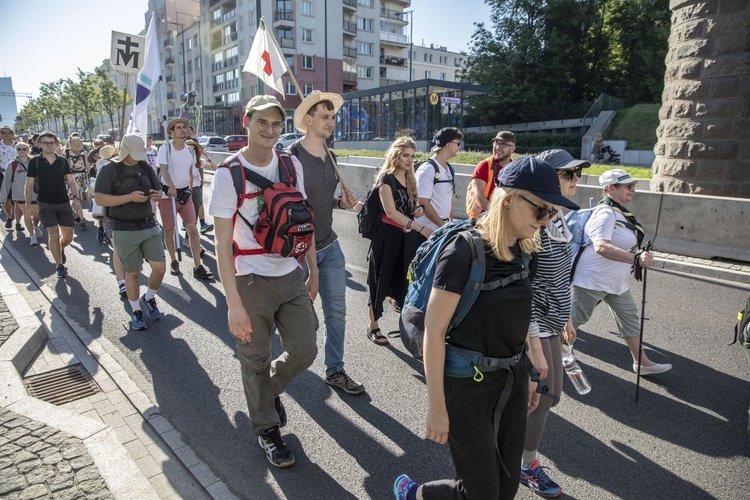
[[150, 294], [120, 282], [135, 305], [528, 457]]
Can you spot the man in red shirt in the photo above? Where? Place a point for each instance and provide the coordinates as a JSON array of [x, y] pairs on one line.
[[482, 185]]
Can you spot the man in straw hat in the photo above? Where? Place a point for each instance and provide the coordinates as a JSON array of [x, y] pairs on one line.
[[316, 118], [178, 180], [263, 289]]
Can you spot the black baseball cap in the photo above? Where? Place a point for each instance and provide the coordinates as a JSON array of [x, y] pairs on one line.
[[537, 177], [444, 136]]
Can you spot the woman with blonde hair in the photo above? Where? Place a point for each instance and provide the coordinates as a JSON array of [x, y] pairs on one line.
[[395, 241], [483, 419]]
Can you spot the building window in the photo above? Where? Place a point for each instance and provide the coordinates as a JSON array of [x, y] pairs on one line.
[[442, 76], [307, 35], [307, 7], [425, 57], [364, 3], [308, 88], [364, 24], [427, 74], [291, 89], [197, 63], [430, 57], [233, 98], [364, 48], [190, 43], [190, 66], [364, 71], [307, 62]]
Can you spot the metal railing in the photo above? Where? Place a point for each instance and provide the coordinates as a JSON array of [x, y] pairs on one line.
[[350, 76], [350, 3], [286, 43], [283, 15], [394, 38], [169, 60], [350, 27], [350, 52]]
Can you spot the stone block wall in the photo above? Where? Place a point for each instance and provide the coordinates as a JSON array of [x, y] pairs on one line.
[[704, 133]]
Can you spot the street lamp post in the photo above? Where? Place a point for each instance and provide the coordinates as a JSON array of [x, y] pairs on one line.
[[411, 40]]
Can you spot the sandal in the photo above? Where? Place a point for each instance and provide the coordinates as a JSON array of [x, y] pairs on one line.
[[394, 304], [376, 337]]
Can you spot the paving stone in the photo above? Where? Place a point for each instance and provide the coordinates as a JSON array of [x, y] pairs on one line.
[[16, 422], [33, 425], [26, 467], [8, 449], [61, 482], [93, 486], [44, 432], [16, 433], [11, 480], [22, 456], [64, 467], [26, 441], [73, 450], [37, 446], [88, 473], [74, 493], [7, 462], [34, 491], [40, 474], [53, 458], [81, 462]]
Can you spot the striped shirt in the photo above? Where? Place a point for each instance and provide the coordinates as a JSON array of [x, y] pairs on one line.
[[551, 303]]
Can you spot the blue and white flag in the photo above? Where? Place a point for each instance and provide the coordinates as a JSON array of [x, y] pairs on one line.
[[145, 83]]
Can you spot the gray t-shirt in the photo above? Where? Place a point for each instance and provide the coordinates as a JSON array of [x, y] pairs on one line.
[[320, 186], [129, 216]]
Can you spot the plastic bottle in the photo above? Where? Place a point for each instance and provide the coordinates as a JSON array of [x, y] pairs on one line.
[[575, 374]]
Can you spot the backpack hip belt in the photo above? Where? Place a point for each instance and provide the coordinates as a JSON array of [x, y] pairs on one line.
[[464, 363]]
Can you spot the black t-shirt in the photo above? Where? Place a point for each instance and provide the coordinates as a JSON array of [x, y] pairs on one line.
[[52, 187], [400, 194], [129, 216], [498, 322]]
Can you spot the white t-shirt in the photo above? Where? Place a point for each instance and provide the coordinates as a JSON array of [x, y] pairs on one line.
[[182, 163], [440, 194], [596, 272], [7, 155], [223, 203], [151, 154]]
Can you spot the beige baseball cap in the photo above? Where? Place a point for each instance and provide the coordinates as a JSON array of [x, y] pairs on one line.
[[132, 145]]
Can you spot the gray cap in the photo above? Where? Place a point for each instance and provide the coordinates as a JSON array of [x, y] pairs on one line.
[[559, 158]]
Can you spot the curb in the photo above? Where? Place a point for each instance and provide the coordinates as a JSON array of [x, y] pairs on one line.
[[118, 368]]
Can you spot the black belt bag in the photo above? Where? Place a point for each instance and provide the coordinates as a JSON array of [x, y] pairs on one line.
[[183, 194]]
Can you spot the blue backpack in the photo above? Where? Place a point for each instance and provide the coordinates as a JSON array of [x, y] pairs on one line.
[[576, 222], [422, 273]]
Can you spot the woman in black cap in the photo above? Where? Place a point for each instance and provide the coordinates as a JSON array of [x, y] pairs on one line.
[[484, 421]]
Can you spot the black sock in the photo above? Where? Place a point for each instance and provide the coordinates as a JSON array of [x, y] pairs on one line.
[[203, 222]]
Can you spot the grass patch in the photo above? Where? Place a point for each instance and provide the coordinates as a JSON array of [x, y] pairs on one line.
[[474, 158], [637, 125]]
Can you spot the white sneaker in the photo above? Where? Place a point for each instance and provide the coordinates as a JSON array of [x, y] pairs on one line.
[[653, 369], [38, 232], [32, 241]]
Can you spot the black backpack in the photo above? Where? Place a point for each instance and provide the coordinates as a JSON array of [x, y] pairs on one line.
[[742, 329], [368, 218]]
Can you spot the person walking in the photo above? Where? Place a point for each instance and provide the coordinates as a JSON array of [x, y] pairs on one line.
[[52, 172], [79, 165], [484, 421], [604, 268], [14, 189], [315, 117], [484, 178], [7, 155], [127, 187], [201, 160], [396, 237], [264, 291]]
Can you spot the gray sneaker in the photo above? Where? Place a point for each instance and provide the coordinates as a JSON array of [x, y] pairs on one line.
[[345, 383]]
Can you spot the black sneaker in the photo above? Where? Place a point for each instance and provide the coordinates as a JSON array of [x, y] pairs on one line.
[[201, 272], [344, 382], [175, 268], [19, 227], [280, 410], [9, 224], [61, 271], [276, 450]]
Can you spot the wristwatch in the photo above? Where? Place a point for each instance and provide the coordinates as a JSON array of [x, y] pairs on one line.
[[75, 197]]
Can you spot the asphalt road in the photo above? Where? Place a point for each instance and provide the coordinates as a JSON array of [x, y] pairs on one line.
[[685, 439]]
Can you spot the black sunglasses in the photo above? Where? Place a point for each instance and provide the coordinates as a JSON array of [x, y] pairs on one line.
[[570, 173], [541, 212]]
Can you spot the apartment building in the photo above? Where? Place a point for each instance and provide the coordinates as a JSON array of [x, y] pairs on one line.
[[436, 62]]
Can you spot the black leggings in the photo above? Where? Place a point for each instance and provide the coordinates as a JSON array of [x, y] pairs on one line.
[[471, 407]]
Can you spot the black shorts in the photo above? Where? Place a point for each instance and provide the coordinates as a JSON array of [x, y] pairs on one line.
[[56, 214]]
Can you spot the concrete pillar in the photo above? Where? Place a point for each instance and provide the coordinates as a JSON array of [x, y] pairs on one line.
[[704, 136]]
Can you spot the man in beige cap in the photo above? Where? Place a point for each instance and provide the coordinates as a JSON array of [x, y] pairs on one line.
[[127, 187], [316, 118], [178, 181], [263, 289]]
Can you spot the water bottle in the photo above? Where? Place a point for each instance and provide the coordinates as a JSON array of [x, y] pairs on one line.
[[575, 374]]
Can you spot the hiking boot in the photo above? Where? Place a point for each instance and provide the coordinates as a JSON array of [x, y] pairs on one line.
[[402, 486], [345, 383], [280, 410], [123, 290], [61, 271], [32, 241], [276, 450], [201, 272], [19, 227], [138, 322], [534, 478], [9, 224], [175, 268], [149, 308], [205, 228]]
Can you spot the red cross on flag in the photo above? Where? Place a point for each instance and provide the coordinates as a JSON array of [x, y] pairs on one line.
[[265, 60]]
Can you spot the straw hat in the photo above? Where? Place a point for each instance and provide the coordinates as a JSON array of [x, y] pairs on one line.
[[311, 100]]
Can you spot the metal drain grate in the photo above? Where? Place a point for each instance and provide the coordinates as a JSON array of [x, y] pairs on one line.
[[63, 385]]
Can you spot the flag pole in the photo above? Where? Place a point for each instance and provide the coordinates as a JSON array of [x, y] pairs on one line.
[[124, 105]]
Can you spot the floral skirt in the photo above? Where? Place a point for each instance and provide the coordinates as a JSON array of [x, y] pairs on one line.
[[82, 182]]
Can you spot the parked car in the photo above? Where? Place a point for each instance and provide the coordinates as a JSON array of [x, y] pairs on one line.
[[213, 143], [286, 140], [236, 142], [106, 139]]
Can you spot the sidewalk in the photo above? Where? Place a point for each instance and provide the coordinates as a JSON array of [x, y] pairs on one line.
[[111, 444]]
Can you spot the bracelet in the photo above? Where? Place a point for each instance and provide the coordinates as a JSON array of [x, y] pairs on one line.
[[408, 224], [420, 230], [339, 203]]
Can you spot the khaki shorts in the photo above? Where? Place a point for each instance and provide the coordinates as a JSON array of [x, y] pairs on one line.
[[621, 306], [135, 246]]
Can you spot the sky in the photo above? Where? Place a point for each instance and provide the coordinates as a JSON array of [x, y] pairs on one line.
[[82, 31]]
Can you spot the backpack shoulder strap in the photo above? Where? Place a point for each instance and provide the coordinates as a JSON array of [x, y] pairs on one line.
[[476, 275], [287, 171], [118, 178]]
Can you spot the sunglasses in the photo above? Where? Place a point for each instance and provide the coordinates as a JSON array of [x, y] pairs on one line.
[[570, 173], [629, 187], [6, 132], [22, 149], [541, 212]]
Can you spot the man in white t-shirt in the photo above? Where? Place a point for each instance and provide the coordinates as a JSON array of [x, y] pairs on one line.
[[179, 180], [435, 186], [263, 289]]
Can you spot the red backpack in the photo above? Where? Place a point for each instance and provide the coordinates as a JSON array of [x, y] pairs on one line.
[[285, 224]]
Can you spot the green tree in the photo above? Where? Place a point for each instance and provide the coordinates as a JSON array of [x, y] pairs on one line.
[[32, 115], [85, 92], [49, 100], [109, 96], [72, 105]]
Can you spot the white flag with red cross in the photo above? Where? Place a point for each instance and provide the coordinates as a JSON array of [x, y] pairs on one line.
[[265, 60]]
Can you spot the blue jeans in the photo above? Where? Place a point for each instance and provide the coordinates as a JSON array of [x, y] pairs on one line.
[[332, 290]]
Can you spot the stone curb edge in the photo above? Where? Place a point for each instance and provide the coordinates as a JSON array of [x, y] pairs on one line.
[[122, 372]]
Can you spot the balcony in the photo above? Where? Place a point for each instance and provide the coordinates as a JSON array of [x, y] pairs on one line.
[[350, 77], [405, 3], [350, 27], [350, 4], [169, 42], [350, 52], [214, 2], [395, 15], [226, 17], [394, 39], [169, 61], [171, 95], [283, 15], [386, 81], [217, 40], [286, 43], [171, 79], [393, 61]]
